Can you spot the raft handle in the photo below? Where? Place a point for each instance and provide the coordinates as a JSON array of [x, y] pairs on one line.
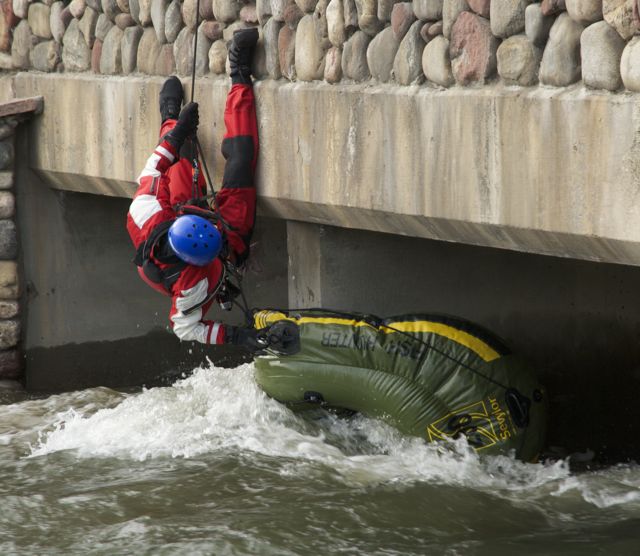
[[313, 397], [518, 405]]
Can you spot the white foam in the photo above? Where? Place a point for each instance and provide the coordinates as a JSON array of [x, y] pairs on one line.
[[211, 409], [223, 411], [134, 528], [615, 486]]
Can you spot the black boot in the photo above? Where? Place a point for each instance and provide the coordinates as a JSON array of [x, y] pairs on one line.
[[171, 96], [241, 54]]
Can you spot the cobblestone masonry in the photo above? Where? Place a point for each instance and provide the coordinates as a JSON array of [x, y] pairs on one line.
[[11, 361], [522, 42]]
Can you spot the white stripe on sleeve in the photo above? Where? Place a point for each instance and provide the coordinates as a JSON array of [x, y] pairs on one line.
[[151, 167], [144, 207], [164, 152], [189, 327], [214, 333]]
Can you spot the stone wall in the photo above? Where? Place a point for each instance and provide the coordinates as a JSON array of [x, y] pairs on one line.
[[10, 358], [437, 42], [11, 361]]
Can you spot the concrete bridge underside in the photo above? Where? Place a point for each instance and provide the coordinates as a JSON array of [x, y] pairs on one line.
[[548, 171], [519, 207]]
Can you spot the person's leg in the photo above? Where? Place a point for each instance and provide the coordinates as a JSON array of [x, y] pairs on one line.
[[180, 174], [237, 199]]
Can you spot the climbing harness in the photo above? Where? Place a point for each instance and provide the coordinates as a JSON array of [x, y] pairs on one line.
[[229, 289], [162, 277]]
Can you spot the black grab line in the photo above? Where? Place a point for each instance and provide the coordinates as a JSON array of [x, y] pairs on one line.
[[378, 323]]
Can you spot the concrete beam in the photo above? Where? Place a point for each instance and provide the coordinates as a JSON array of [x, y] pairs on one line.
[[306, 261], [22, 106], [550, 171]]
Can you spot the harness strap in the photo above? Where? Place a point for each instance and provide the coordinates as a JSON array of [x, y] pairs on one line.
[[166, 277], [225, 291], [209, 297], [199, 207], [144, 249]]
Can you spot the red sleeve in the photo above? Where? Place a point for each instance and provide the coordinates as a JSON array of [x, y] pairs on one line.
[[151, 204], [195, 285]]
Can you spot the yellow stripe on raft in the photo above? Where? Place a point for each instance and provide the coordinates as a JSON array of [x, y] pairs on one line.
[[333, 320], [263, 319], [482, 349]]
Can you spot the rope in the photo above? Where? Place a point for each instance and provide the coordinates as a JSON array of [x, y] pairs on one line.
[[199, 160], [195, 50], [248, 315], [198, 157]]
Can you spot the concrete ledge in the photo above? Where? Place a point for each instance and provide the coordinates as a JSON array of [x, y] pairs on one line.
[[22, 106], [553, 171], [83, 183], [525, 240]]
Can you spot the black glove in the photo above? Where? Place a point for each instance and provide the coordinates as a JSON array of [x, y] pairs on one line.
[[282, 337], [247, 338], [186, 127]]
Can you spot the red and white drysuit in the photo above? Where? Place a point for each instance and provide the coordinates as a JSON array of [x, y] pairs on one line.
[[166, 180]]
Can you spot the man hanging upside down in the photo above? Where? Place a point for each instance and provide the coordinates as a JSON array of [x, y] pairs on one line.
[[182, 249]]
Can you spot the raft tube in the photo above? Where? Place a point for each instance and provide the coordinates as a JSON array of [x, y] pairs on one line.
[[430, 376]]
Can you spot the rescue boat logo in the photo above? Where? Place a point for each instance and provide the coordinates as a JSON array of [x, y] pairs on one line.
[[484, 423]]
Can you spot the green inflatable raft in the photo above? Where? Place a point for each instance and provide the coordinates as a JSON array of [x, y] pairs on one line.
[[434, 377]]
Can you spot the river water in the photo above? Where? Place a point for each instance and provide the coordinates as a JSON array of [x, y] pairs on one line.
[[212, 466]]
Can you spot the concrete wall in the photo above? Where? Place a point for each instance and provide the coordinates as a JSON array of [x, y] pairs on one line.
[[543, 170], [576, 321]]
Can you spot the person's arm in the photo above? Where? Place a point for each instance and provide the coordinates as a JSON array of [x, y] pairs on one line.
[[191, 299], [189, 325], [189, 304], [151, 204], [188, 309]]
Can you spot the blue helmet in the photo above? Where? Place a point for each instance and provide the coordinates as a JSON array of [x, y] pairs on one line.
[[194, 239]]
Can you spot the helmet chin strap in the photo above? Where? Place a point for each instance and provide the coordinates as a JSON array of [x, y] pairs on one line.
[[162, 249]]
